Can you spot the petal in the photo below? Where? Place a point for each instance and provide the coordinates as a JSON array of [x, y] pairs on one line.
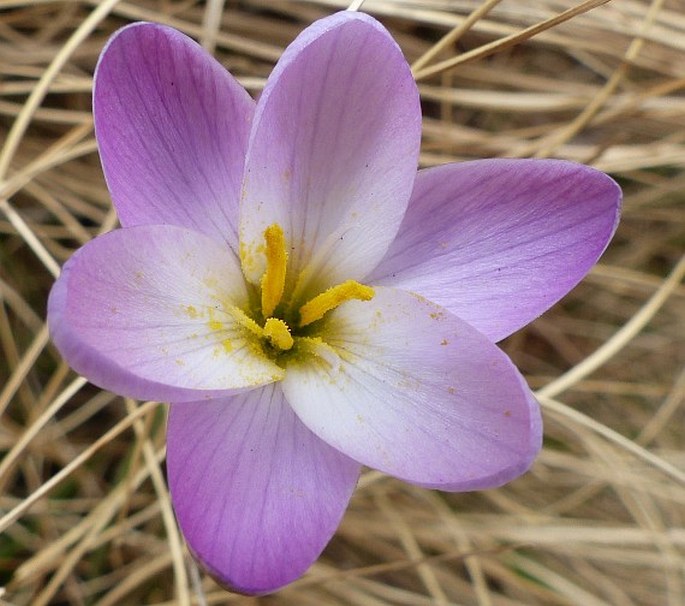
[[498, 242], [406, 387], [333, 151], [172, 127], [256, 494], [144, 312]]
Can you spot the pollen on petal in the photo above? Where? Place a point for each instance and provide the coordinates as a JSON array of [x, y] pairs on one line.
[[330, 299], [215, 325], [191, 311]]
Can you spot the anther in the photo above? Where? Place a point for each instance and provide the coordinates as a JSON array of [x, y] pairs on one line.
[[330, 299], [278, 333], [273, 280]]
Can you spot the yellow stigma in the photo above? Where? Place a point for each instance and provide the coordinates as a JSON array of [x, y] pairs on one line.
[[278, 333], [330, 299], [273, 280]]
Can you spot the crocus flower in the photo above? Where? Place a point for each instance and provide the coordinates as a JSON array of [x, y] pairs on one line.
[[306, 301]]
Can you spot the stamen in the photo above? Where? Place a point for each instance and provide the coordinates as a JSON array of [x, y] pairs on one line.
[[278, 333], [330, 299], [273, 280]]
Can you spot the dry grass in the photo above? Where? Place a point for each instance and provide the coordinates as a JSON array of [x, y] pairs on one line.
[[84, 513]]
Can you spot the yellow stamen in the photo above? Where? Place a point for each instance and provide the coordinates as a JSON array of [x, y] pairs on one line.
[[330, 299], [273, 280], [278, 333]]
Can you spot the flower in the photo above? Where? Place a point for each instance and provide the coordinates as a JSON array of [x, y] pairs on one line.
[[306, 301]]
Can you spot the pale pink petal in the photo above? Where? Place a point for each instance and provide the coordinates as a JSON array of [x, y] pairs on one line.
[[172, 127], [146, 312], [406, 387], [256, 494], [497, 242], [333, 152]]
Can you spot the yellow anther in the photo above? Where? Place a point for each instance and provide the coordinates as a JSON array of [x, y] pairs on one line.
[[278, 333], [330, 299], [273, 280]]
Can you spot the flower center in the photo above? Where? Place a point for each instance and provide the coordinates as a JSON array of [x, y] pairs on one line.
[[276, 330]]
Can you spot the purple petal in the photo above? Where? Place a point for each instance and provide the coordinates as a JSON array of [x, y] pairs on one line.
[[172, 127], [333, 152], [406, 387], [145, 312], [498, 242], [256, 494]]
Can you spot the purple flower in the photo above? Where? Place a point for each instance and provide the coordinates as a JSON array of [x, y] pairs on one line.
[[305, 299]]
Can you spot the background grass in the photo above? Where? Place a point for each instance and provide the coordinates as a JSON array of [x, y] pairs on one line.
[[84, 513]]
